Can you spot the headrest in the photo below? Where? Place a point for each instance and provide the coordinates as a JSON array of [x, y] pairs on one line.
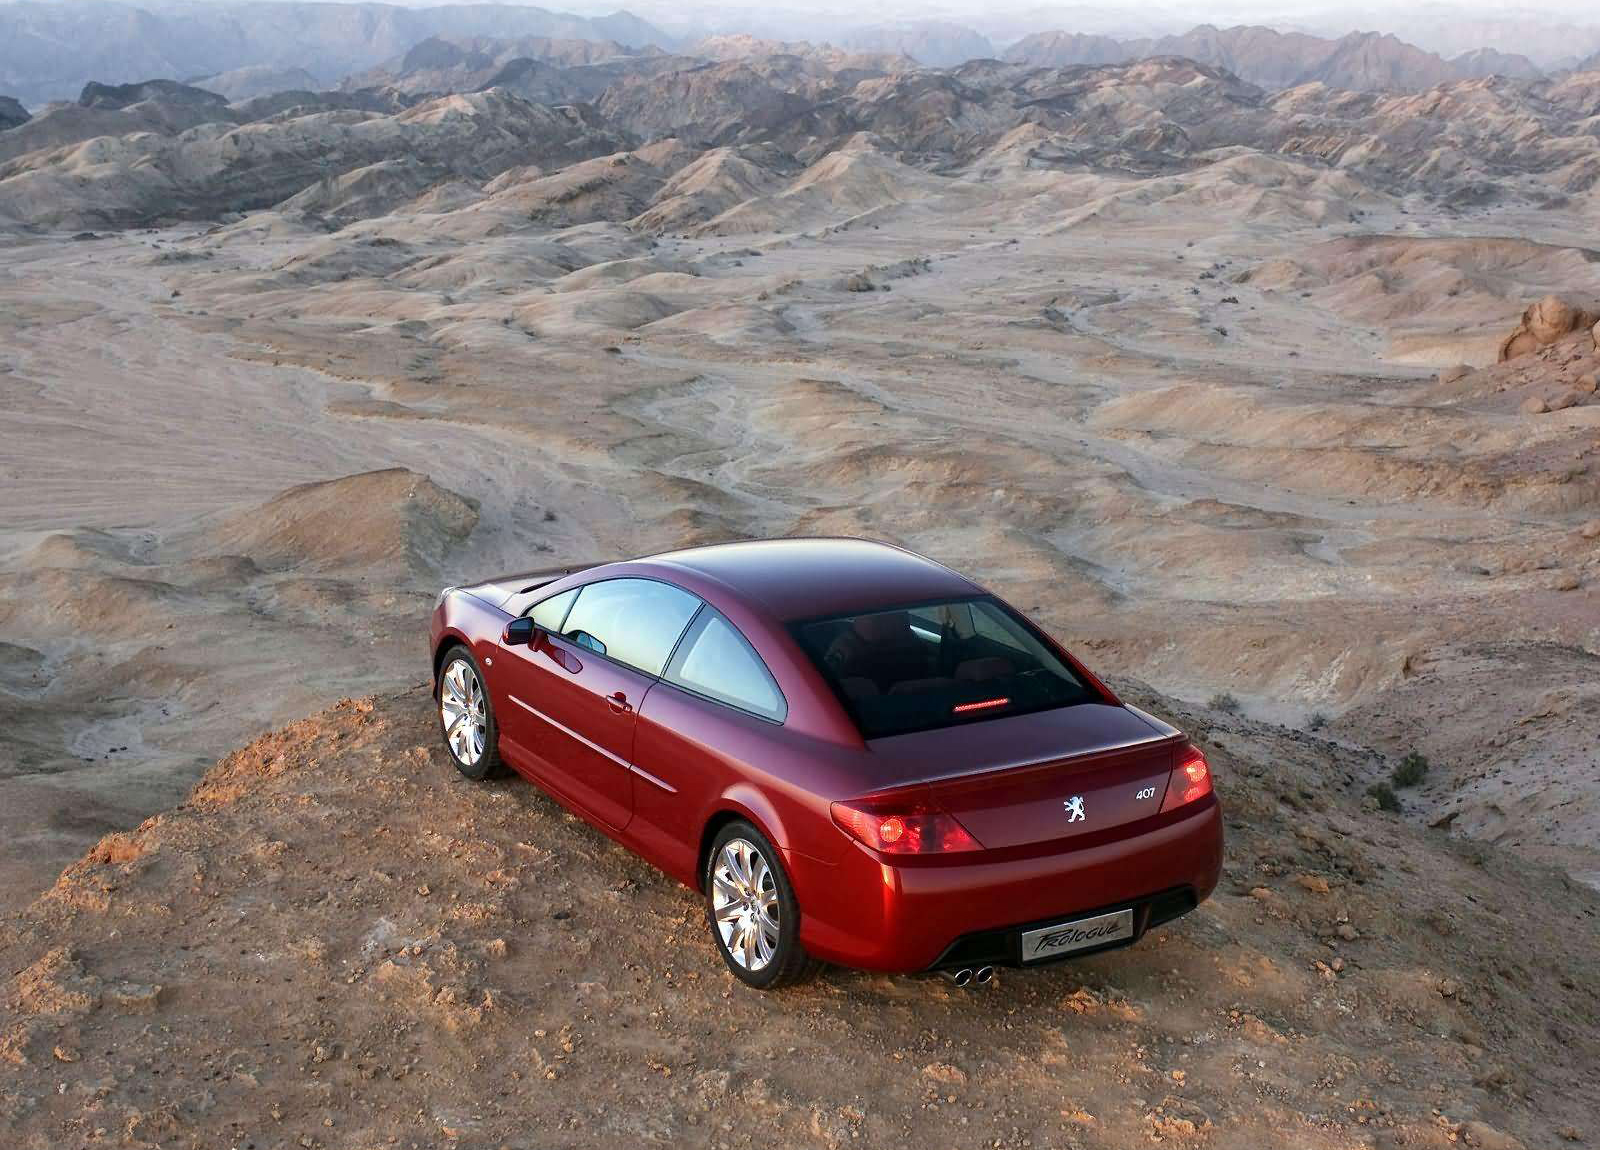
[[884, 628]]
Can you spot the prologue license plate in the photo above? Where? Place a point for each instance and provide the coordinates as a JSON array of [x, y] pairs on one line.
[[1079, 934]]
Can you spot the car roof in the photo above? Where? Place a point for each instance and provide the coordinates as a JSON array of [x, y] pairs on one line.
[[792, 579]]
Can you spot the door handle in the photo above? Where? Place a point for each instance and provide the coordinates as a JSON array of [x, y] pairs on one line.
[[618, 702]]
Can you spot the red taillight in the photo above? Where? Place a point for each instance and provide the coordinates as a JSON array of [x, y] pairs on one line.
[[1190, 781], [898, 827]]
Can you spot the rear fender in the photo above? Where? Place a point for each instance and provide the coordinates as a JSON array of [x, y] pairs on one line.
[[741, 800]]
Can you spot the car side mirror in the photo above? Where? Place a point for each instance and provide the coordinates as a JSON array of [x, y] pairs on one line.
[[518, 632]]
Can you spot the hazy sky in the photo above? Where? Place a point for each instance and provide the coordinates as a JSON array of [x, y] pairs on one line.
[[1550, 32]]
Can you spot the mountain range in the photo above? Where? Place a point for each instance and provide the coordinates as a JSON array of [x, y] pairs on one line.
[[1360, 61], [48, 51], [461, 113], [242, 49]]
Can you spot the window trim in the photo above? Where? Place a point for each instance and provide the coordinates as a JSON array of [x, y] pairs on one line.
[[573, 591], [667, 672], [671, 651]]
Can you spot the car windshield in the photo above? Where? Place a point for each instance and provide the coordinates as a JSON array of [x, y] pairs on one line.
[[937, 665]]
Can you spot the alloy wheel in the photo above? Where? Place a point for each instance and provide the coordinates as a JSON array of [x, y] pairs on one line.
[[461, 710], [744, 904]]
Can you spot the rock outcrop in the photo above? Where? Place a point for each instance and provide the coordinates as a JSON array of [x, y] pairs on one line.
[[1542, 324]]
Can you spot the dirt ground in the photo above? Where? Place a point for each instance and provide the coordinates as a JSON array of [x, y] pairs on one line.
[[336, 941]]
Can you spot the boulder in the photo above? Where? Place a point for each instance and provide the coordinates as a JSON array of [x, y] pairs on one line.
[[1534, 405], [1542, 324]]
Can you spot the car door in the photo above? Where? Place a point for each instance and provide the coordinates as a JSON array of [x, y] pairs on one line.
[[579, 689], [518, 677], [716, 708]]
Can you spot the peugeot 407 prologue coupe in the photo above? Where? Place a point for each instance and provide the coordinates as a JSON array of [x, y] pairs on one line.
[[857, 755]]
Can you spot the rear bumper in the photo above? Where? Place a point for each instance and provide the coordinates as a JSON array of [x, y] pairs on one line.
[[866, 912]]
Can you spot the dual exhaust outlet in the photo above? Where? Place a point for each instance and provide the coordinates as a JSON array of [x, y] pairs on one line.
[[970, 976]]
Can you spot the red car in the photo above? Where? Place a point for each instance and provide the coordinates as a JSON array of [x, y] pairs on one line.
[[856, 754]]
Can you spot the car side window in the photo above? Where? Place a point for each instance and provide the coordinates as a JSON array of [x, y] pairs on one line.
[[717, 661], [634, 621], [552, 612]]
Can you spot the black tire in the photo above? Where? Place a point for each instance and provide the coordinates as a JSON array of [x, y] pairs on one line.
[[789, 963], [488, 764]]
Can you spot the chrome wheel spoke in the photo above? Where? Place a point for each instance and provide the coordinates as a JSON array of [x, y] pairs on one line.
[[732, 859]]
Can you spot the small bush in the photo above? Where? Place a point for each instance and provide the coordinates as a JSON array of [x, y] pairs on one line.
[[1317, 721], [1384, 793], [1225, 702], [1411, 770]]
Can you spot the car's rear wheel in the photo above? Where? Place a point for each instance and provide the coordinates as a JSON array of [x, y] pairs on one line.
[[751, 907], [466, 717]]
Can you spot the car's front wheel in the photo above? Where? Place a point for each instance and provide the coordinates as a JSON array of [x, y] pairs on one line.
[[754, 917], [465, 716]]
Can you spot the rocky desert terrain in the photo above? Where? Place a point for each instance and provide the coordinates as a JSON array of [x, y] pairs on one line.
[[1277, 405]]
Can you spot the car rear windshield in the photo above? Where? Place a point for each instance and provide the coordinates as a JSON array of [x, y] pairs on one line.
[[937, 665]]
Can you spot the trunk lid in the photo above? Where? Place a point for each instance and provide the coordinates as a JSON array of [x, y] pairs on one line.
[[1042, 777]]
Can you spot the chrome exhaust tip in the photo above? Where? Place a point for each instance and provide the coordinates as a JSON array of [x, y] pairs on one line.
[[983, 976], [962, 977]]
